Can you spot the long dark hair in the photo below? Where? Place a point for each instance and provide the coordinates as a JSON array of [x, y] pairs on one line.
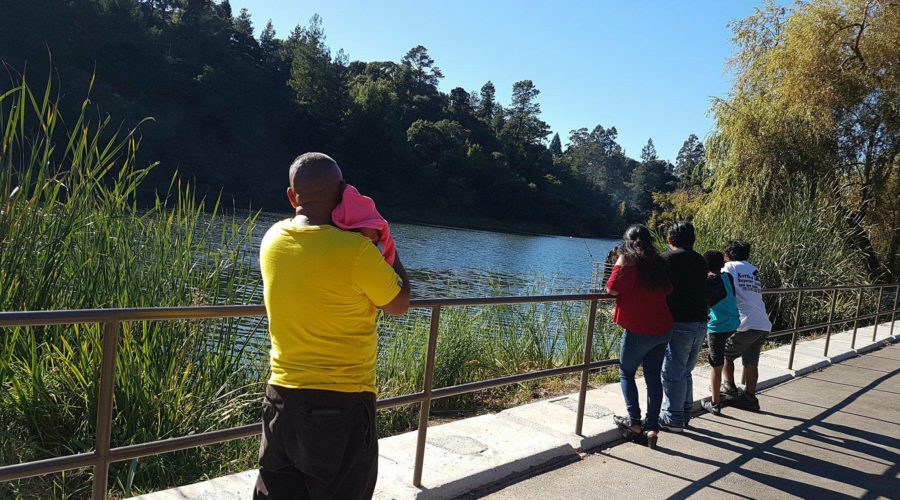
[[637, 248]]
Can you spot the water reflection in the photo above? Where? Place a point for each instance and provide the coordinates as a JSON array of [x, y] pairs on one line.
[[450, 262]]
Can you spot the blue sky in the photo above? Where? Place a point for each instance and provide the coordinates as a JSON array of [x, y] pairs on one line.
[[649, 68]]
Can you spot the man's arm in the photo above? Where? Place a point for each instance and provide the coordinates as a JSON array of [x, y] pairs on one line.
[[400, 304]]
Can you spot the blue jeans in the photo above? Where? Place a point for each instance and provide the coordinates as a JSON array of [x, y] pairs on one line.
[[636, 350], [681, 356]]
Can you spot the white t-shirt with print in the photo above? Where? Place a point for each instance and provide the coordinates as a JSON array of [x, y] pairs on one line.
[[748, 295]]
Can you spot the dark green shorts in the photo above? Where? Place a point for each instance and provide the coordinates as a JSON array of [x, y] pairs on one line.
[[746, 345]]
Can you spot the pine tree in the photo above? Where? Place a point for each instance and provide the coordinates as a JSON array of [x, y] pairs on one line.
[[556, 145], [690, 162], [243, 24], [648, 153], [460, 103], [488, 102], [424, 70], [524, 125], [268, 39]]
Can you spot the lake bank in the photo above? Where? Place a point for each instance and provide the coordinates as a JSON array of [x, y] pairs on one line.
[[493, 225]]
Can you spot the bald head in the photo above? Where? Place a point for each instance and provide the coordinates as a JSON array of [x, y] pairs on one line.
[[315, 183]]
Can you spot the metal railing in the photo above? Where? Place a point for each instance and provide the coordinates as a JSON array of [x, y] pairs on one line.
[[111, 319]]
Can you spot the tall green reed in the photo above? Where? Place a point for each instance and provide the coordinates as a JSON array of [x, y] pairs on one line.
[[801, 247], [72, 235]]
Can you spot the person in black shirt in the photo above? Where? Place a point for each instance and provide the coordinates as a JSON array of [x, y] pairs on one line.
[[689, 307]]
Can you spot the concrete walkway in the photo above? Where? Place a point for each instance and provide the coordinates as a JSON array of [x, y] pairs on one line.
[[833, 433], [465, 455]]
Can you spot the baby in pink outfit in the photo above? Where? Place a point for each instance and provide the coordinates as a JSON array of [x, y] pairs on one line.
[[357, 213]]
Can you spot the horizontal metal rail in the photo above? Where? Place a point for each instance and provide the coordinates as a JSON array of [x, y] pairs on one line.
[[820, 326], [75, 316], [112, 318], [823, 288], [47, 466]]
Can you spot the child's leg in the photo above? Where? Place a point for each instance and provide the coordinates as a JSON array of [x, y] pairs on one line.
[[730, 353], [716, 344], [751, 376], [728, 371], [715, 381]]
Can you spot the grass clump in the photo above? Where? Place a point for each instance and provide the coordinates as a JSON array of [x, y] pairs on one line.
[[484, 342], [72, 236]]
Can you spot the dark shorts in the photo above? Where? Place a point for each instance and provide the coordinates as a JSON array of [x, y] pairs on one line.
[[746, 345], [317, 444], [716, 343]]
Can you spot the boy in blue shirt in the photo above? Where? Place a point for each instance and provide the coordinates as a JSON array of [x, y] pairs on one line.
[[724, 320]]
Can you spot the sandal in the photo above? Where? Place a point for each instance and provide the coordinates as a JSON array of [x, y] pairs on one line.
[[626, 425], [651, 437], [626, 422], [623, 421]]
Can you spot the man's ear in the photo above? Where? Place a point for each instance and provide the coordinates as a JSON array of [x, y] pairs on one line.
[[292, 197]]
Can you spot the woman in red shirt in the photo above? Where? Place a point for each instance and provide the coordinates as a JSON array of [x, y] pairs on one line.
[[640, 282]]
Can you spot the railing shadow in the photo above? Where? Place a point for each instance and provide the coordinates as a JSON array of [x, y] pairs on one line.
[[883, 485]]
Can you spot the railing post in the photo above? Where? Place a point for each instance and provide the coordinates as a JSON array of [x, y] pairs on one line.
[[105, 408], [796, 325], [830, 317], [425, 405], [894, 312], [588, 351], [856, 319], [877, 313]]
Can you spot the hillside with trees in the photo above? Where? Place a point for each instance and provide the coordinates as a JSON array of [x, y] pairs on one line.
[[231, 108]]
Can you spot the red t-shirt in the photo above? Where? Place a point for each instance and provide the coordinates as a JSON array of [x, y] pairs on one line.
[[640, 310]]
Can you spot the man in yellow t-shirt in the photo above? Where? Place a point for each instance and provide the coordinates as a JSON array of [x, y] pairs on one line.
[[322, 287]]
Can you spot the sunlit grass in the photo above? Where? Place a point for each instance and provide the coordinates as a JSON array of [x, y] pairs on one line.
[[484, 342]]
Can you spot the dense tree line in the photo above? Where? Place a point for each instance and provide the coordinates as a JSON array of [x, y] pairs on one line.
[[231, 110]]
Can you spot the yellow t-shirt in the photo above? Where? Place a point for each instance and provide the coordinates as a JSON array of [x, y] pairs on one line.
[[321, 289]]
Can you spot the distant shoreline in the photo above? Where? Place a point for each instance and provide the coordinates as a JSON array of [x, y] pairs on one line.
[[492, 226]]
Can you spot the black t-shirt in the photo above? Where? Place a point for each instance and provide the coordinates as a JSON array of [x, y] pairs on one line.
[[688, 301]]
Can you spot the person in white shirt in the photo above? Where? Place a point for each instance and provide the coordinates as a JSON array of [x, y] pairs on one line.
[[754, 328]]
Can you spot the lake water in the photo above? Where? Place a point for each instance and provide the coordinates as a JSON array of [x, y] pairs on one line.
[[446, 262]]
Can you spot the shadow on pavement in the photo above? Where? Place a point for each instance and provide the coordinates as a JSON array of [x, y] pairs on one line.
[[867, 442]]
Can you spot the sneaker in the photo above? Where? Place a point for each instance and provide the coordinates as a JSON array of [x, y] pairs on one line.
[[710, 407], [747, 401], [666, 425], [729, 389]]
